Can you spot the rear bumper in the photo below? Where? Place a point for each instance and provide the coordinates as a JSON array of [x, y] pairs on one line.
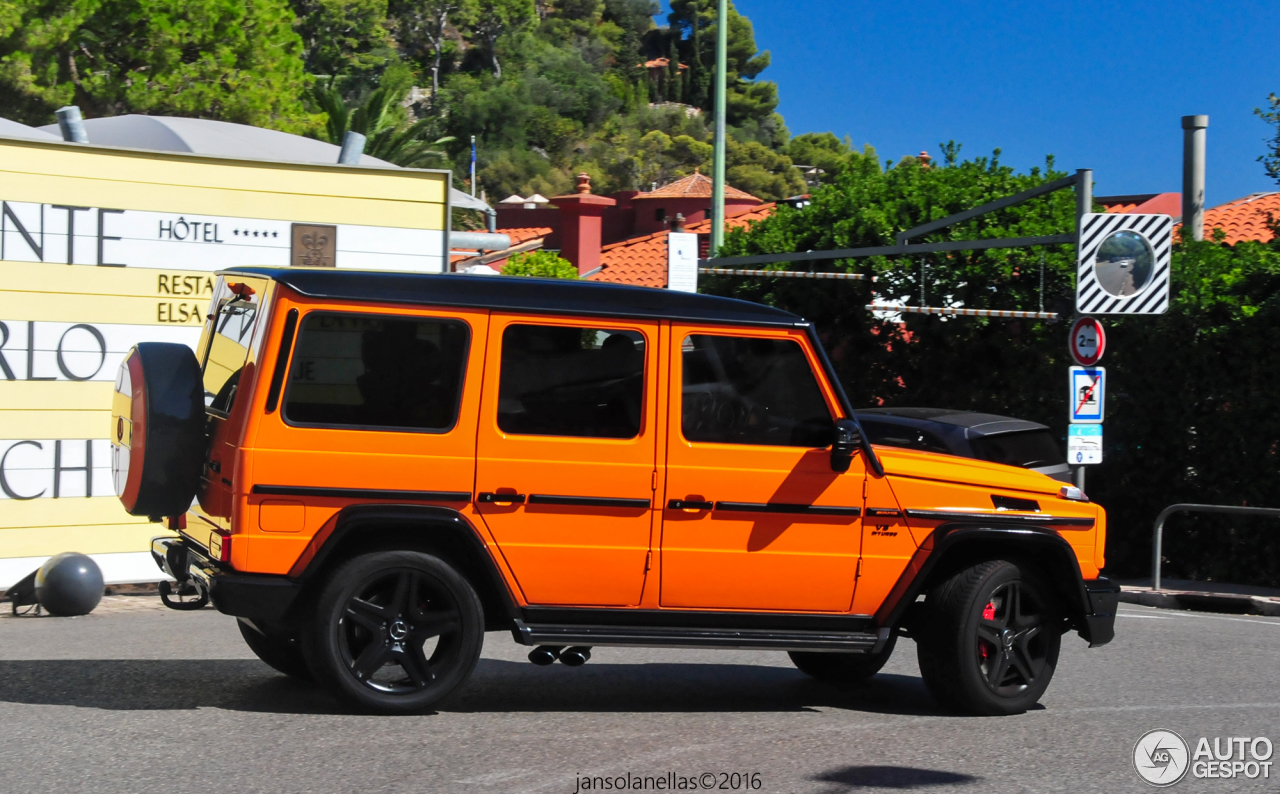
[[1100, 623], [244, 595]]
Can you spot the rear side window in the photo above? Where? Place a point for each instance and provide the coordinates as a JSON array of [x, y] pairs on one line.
[[570, 381], [894, 435], [1028, 449], [747, 390], [228, 344], [376, 372]]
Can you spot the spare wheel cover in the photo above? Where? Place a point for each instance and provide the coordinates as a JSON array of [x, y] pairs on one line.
[[157, 429]]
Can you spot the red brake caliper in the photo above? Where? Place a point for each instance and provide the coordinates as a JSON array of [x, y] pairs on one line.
[[988, 613]]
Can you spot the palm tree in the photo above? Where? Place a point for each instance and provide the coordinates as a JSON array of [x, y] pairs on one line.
[[383, 121]]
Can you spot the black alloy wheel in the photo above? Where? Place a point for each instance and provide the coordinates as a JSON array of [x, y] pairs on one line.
[[990, 639], [395, 632], [1012, 642]]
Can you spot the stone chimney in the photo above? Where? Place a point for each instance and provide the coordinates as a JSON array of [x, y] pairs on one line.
[[581, 225]]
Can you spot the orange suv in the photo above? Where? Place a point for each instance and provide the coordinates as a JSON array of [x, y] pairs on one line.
[[370, 470]]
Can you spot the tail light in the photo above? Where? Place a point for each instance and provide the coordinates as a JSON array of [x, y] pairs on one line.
[[220, 545]]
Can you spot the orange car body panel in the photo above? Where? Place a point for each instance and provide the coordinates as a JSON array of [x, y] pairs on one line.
[[653, 557]]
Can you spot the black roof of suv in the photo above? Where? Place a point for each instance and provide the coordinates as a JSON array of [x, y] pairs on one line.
[[559, 296]]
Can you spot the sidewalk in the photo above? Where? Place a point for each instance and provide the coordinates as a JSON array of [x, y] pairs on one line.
[[1202, 596]]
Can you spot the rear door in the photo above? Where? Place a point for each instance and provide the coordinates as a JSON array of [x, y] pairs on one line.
[[755, 518], [565, 466]]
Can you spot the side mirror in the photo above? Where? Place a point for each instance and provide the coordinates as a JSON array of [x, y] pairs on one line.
[[847, 442]]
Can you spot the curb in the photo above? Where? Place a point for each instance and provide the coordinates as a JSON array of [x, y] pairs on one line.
[[1201, 601]]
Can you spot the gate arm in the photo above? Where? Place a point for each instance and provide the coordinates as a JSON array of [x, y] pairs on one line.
[[991, 206]]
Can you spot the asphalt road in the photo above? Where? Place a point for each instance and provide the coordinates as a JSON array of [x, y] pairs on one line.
[[142, 700]]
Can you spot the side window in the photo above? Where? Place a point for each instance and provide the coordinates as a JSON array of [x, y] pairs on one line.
[[569, 381], [375, 371], [228, 346], [747, 390]]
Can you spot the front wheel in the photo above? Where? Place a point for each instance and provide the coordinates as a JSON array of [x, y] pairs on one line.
[[990, 642], [395, 632]]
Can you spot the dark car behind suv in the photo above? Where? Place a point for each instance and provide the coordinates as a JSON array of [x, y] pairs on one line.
[[999, 439]]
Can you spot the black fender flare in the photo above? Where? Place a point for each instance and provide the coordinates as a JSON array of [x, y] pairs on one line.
[[447, 524], [950, 542]]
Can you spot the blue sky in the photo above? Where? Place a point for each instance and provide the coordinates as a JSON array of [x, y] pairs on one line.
[[1101, 85]]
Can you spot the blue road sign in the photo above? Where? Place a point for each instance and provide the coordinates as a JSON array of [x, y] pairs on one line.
[[1084, 444], [1088, 393]]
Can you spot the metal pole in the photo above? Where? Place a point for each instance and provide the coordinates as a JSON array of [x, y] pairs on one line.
[[1084, 206], [1158, 541], [1084, 195], [717, 179], [1193, 147], [473, 167]]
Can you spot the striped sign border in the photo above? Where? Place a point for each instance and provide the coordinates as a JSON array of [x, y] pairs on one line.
[[1091, 298]]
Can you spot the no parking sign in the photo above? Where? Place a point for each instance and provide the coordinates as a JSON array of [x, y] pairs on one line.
[[1088, 391]]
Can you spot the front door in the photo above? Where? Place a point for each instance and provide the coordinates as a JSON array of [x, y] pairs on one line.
[[565, 467], [755, 517]]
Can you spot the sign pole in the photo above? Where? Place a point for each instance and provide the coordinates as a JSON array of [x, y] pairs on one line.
[[1084, 206], [717, 176]]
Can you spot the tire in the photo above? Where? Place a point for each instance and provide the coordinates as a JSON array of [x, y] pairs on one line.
[[843, 668], [157, 430], [394, 632], [284, 654], [990, 639]]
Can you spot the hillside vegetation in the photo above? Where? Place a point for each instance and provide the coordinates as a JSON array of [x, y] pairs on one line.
[[548, 87]]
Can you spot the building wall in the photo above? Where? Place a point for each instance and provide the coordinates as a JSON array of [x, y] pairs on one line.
[[103, 248]]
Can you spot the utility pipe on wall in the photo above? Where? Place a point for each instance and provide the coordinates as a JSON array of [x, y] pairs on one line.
[[1193, 147], [352, 149]]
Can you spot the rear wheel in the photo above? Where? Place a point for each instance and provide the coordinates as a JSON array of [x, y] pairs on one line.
[[281, 652], [843, 668], [395, 632], [990, 642]]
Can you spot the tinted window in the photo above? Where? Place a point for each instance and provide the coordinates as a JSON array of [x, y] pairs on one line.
[[1028, 449], [894, 435], [376, 371], [745, 390], [569, 381], [228, 347]]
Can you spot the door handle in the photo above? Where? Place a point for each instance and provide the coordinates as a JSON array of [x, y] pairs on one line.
[[684, 504], [488, 497]]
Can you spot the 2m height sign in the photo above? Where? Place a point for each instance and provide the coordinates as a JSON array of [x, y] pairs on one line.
[[1088, 394]]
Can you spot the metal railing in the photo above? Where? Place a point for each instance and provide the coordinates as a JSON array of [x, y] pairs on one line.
[[1193, 508]]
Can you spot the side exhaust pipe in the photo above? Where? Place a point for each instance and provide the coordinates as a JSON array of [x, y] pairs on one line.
[[544, 655], [575, 656]]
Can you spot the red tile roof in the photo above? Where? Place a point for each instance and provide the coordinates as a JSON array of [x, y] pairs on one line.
[[642, 261], [523, 234], [1243, 219], [695, 185]]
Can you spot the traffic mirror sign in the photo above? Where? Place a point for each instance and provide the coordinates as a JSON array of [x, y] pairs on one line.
[[1088, 392], [1088, 341], [1084, 444]]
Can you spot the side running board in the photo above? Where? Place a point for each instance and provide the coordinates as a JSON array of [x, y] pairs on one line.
[[677, 637]]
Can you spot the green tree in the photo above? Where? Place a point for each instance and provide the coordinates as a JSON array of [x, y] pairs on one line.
[[822, 150], [233, 60], [342, 37], [760, 171], [746, 98], [496, 17], [1271, 160], [422, 27], [540, 264]]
